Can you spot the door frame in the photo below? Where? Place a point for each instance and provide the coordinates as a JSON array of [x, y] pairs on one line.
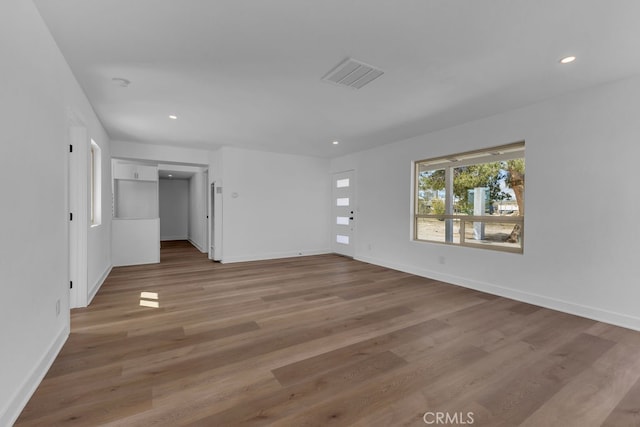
[[77, 205], [353, 215], [215, 221], [205, 210]]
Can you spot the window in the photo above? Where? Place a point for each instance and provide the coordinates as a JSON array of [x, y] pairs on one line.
[[342, 183], [95, 183], [473, 199]]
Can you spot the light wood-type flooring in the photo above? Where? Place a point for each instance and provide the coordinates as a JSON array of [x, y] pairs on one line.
[[328, 341]]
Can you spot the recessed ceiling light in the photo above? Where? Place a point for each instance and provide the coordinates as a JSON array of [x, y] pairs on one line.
[[336, 142], [567, 59], [173, 117]]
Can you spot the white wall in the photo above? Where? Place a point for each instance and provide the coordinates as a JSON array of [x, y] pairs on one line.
[[581, 155], [136, 241], [178, 158], [274, 205], [37, 95], [197, 211], [282, 206], [158, 153], [135, 199], [174, 209]]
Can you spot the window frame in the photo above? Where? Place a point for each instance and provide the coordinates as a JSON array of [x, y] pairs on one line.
[[448, 163], [95, 184]]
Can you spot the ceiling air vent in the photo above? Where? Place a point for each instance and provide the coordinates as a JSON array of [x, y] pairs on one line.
[[353, 73]]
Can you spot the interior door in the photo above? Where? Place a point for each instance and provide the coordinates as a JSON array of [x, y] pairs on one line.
[[78, 189], [206, 193], [212, 213], [344, 213], [72, 229]]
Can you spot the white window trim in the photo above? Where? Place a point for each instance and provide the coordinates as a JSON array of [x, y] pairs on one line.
[[448, 163], [95, 184]]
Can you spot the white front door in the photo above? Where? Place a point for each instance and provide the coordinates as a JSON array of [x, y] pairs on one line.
[[344, 210]]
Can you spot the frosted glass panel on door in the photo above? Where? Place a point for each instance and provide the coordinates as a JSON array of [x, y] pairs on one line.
[[341, 183], [342, 220], [342, 239], [343, 201]]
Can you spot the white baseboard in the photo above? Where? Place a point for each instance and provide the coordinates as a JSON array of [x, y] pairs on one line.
[[274, 255], [170, 238], [21, 397], [197, 246], [589, 312], [98, 284]]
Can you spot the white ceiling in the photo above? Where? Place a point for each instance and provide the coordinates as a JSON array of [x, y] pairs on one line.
[[248, 73]]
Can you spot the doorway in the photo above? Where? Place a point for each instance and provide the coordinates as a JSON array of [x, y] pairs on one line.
[[343, 217], [183, 200]]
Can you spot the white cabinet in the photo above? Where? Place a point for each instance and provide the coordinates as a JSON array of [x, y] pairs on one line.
[[135, 190], [147, 173], [124, 171], [135, 172], [135, 229]]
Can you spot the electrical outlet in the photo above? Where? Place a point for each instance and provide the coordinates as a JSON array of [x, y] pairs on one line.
[[57, 308]]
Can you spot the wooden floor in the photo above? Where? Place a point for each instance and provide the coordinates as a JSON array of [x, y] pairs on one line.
[[328, 341]]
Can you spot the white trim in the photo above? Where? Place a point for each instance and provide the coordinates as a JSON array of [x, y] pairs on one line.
[[485, 155], [589, 312], [79, 227], [12, 411], [96, 287], [205, 202], [171, 238], [95, 185], [487, 158], [274, 255]]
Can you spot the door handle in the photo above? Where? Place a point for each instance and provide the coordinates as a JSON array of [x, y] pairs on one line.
[[351, 218]]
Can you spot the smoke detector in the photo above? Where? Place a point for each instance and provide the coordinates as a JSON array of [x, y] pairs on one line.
[[352, 73]]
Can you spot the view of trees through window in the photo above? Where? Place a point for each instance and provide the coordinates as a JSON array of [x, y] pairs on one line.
[[473, 199]]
